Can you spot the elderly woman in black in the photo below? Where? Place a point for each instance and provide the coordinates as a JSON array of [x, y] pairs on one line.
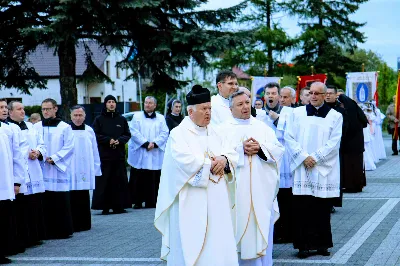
[[174, 116]]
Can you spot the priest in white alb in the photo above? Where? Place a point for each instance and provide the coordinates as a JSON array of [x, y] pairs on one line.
[[257, 181], [227, 84], [193, 211], [85, 166], [59, 141], [313, 140], [33, 190]]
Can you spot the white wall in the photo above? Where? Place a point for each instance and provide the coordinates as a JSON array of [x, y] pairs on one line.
[[124, 90], [37, 95]]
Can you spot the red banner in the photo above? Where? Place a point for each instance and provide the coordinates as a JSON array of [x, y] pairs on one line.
[[305, 81], [376, 96], [397, 107]]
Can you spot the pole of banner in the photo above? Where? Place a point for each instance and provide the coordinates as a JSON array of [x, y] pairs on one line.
[[396, 107], [362, 67], [312, 70]]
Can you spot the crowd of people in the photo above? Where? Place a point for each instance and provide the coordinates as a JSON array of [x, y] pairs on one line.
[[227, 181]]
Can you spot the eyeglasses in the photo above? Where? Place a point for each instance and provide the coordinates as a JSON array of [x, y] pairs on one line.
[[316, 93], [330, 93], [47, 109]]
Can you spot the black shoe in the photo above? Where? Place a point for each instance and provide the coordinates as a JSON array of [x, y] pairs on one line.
[[4, 260], [105, 212], [333, 210], [119, 211], [137, 207], [323, 252], [303, 254], [395, 153]]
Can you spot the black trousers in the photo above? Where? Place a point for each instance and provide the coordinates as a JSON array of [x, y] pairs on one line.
[[143, 186], [394, 141], [283, 227], [312, 226]]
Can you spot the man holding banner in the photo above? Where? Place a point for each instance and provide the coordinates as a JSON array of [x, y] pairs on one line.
[[392, 121]]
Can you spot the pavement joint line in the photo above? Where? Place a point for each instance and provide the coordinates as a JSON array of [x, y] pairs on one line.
[[86, 259], [363, 233], [370, 198]]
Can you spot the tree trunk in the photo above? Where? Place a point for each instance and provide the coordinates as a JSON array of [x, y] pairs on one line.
[[68, 91], [269, 43]]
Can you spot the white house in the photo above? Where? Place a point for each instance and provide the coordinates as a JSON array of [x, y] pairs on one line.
[[46, 64]]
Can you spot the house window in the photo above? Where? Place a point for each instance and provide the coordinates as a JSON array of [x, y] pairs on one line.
[[108, 68], [118, 73]]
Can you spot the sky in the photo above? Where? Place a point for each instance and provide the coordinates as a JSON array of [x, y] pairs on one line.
[[381, 16]]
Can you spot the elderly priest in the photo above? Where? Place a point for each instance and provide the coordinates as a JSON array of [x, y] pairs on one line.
[[313, 141], [257, 181], [193, 210]]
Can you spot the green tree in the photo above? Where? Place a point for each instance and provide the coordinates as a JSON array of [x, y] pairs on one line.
[[162, 37], [264, 42], [327, 31]]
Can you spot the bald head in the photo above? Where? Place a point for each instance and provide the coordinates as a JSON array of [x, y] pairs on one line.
[[245, 90]]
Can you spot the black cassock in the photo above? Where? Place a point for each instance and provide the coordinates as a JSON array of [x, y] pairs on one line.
[[111, 191], [352, 147]]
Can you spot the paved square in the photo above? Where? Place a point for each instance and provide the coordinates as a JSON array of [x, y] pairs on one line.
[[366, 231]]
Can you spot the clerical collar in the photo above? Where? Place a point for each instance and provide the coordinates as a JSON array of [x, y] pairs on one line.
[[22, 125], [198, 128], [276, 109], [75, 127], [51, 122], [174, 114], [150, 115], [224, 100], [242, 121], [320, 111]]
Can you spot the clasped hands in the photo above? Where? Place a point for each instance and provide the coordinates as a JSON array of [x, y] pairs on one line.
[[273, 115], [218, 165], [309, 162], [150, 146], [114, 143], [34, 154], [251, 147]]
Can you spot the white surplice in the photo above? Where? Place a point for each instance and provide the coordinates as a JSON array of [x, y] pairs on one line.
[[193, 214], [369, 162], [59, 142], [220, 111], [320, 138], [6, 164], [85, 163], [35, 183], [257, 185], [378, 143], [18, 144], [286, 176], [147, 130]]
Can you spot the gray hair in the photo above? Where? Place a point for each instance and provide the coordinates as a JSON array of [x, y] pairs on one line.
[[76, 107], [319, 83], [152, 98], [292, 91], [10, 105], [235, 94], [191, 107], [340, 90]]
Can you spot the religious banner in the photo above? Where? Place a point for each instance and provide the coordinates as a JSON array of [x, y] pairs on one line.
[[258, 84], [397, 107], [361, 86], [306, 81]]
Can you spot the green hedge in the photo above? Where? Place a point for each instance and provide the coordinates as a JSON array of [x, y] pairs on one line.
[[33, 109]]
